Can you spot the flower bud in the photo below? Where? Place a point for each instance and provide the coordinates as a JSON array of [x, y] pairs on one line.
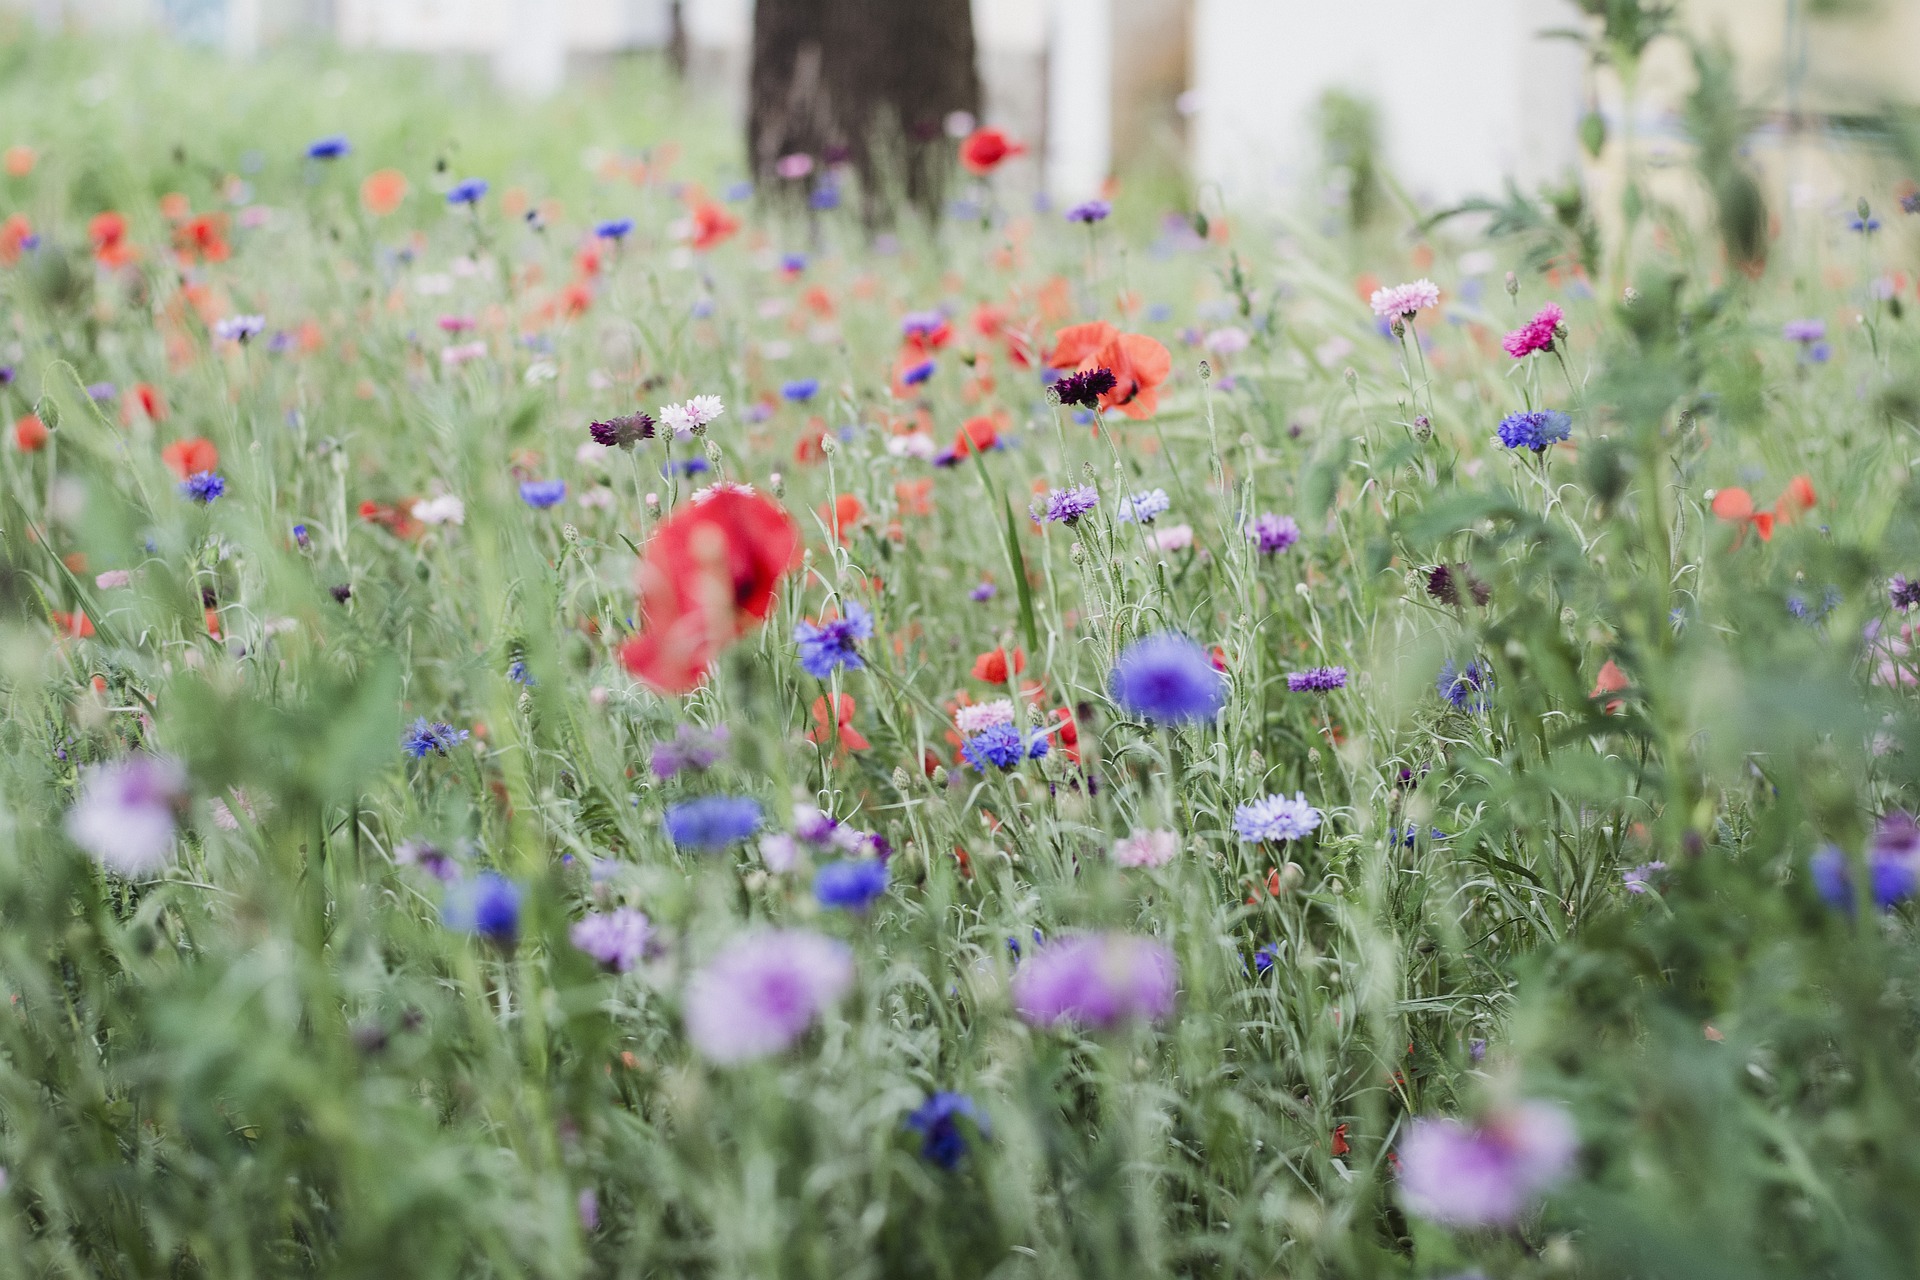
[[1513, 285]]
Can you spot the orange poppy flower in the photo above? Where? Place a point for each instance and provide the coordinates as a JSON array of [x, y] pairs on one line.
[[383, 191], [203, 238], [985, 149], [1076, 344], [20, 160], [712, 225], [915, 496], [1799, 497], [1139, 364], [992, 665], [30, 434], [980, 433], [839, 729], [175, 207], [190, 457], [842, 514], [14, 233], [1610, 680], [75, 625]]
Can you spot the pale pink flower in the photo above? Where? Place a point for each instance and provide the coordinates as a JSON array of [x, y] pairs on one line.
[[112, 578], [1403, 300], [1146, 849], [1175, 537], [978, 717]]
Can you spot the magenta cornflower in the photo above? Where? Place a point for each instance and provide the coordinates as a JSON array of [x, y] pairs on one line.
[[1537, 334]]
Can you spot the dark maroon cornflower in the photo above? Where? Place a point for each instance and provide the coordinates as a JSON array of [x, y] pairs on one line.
[[623, 432], [1904, 594], [1444, 583], [1084, 389], [341, 593]]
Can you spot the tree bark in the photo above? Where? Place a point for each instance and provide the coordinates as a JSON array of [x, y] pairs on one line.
[[865, 82]]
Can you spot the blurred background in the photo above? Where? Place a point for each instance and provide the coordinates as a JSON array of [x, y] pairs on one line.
[[1239, 102]]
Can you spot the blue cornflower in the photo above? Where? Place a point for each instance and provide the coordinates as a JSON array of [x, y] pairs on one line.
[[824, 197], [518, 673], [1891, 879], [1144, 507], [1812, 614], [203, 486], [712, 822], [301, 538], [1090, 212], [919, 373], [801, 390], [1066, 506], [1167, 677], [436, 736], [937, 1122], [542, 493], [1317, 680], [1264, 957], [1002, 747], [1275, 818], [330, 148], [614, 229], [467, 191], [829, 645], [1865, 224], [1465, 687], [1535, 430], [685, 466], [487, 905], [853, 883]]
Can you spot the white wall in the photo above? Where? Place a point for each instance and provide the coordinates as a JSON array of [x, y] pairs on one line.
[[1467, 92]]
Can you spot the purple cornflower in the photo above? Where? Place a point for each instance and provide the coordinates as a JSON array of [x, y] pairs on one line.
[[1444, 582], [1168, 678], [617, 939], [124, 813], [1910, 202], [203, 486], [541, 494], [1273, 533], [614, 229], [1535, 430], [1804, 332], [1276, 818], [921, 324], [1096, 981], [330, 148], [435, 736], [1066, 506], [1904, 595], [763, 991], [1893, 865], [429, 857], [1083, 390], [238, 328], [1487, 1174], [691, 748], [487, 905], [467, 191], [852, 884], [983, 593], [937, 1122], [1465, 687], [1089, 212], [712, 822], [1001, 746], [1317, 679], [829, 645], [622, 432], [1640, 878]]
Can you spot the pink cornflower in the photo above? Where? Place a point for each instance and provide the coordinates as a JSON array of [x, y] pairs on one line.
[[1146, 849], [1537, 334], [763, 991], [1404, 300], [1097, 981], [1485, 1174]]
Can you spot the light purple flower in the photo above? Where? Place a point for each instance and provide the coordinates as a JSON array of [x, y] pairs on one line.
[[1276, 818], [1640, 878], [1096, 981], [124, 814], [763, 991], [1487, 1174], [617, 939], [1273, 533]]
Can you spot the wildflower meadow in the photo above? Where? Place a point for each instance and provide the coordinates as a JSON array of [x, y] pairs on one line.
[[567, 717]]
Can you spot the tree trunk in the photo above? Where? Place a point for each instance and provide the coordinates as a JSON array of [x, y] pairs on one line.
[[868, 82]]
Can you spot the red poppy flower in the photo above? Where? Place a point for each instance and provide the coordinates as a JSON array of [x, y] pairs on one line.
[[984, 150], [190, 457], [840, 731], [1610, 680], [383, 191], [980, 433], [108, 231], [76, 625], [1799, 497], [143, 400], [992, 665], [13, 238], [1139, 364], [30, 434], [203, 239], [712, 225], [1077, 344], [707, 576], [1069, 736], [914, 496], [395, 517], [1735, 506], [1339, 1146]]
